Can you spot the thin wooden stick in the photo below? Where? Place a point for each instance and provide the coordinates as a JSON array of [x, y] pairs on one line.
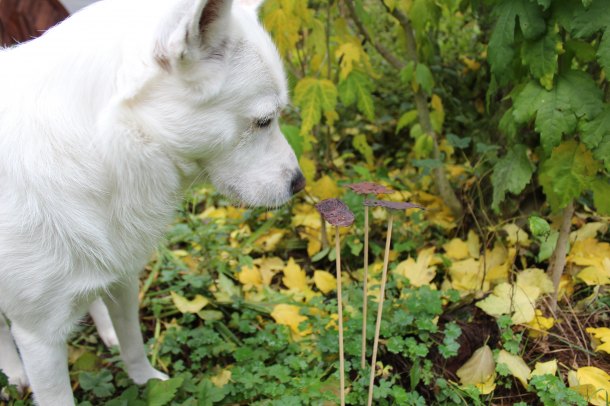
[[386, 258], [340, 313], [364, 285]]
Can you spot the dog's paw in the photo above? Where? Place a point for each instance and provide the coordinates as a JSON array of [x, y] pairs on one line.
[[109, 337], [143, 376]]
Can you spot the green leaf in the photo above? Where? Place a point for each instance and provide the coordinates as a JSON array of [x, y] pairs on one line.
[[294, 138], [511, 174], [583, 92], [361, 145], [358, 86], [160, 393], [406, 73], [540, 56], [586, 22], [603, 51], [314, 96], [539, 226], [602, 152], [593, 132], [501, 50], [583, 51], [406, 119], [601, 195], [424, 78], [99, 383], [526, 102], [567, 173], [554, 119]]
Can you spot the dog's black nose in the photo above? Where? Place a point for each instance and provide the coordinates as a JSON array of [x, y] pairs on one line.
[[298, 183]]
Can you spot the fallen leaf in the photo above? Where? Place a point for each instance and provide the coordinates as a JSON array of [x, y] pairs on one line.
[[537, 278], [289, 315], [600, 338], [518, 301], [324, 281], [419, 272], [589, 230], [188, 306], [516, 235], [544, 368], [222, 378], [474, 244], [457, 249], [595, 276], [270, 240], [589, 253], [540, 325], [294, 276], [594, 384], [479, 367], [250, 277], [517, 367]]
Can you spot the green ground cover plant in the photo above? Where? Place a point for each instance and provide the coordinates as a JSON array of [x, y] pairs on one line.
[[493, 115]]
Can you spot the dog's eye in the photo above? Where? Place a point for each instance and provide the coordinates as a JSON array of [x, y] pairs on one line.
[[263, 122]]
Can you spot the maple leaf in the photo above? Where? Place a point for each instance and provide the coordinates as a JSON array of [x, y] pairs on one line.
[[295, 277], [419, 272], [250, 277], [518, 301], [601, 338], [289, 315], [314, 96], [325, 188], [457, 249]]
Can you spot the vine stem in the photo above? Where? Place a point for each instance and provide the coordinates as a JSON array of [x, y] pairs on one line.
[[364, 285], [340, 314], [384, 275]]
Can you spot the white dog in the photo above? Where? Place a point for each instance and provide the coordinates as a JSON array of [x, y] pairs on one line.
[[102, 120]]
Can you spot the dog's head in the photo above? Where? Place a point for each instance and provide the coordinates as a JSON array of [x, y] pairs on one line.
[[215, 99]]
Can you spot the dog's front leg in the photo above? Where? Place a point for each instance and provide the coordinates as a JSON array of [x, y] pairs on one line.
[[45, 358], [123, 308], [10, 363]]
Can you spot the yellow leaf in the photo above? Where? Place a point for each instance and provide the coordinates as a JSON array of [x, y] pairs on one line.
[[595, 384], [535, 277], [188, 306], [474, 244], [479, 367], [306, 215], [545, 368], [348, 53], [498, 263], [270, 240], [250, 276], [517, 367], [540, 325], [325, 188], [600, 338], [268, 267], [589, 252], [308, 167], [488, 386], [466, 275], [222, 378], [456, 249], [289, 315], [324, 281], [594, 276], [295, 277], [418, 272], [516, 235], [518, 301], [589, 230]]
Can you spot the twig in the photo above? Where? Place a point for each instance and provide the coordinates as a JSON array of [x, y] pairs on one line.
[[384, 52], [386, 258], [340, 314], [364, 285]]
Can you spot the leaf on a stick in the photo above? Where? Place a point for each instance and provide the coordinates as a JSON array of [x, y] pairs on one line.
[[365, 188], [392, 205], [335, 212]]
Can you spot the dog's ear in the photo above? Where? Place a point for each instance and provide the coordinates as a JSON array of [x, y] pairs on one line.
[[201, 28]]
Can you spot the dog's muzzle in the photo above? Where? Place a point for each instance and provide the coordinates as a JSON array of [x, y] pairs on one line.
[[298, 183]]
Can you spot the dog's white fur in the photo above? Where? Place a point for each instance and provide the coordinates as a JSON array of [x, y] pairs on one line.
[[102, 121]]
